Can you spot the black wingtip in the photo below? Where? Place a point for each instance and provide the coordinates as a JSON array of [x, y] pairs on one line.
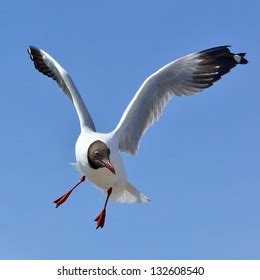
[[243, 60], [30, 48], [224, 48], [37, 57], [32, 51]]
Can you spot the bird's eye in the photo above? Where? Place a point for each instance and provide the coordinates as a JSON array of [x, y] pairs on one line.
[[96, 153]]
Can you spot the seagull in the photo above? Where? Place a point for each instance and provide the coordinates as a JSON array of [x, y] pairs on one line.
[[97, 154]]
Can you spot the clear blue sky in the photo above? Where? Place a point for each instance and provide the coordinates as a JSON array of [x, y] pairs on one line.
[[205, 190]]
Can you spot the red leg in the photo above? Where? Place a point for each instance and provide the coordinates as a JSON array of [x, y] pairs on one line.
[[65, 196], [100, 219]]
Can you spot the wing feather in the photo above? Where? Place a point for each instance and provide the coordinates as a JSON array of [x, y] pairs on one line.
[[187, 75], [48, 66]]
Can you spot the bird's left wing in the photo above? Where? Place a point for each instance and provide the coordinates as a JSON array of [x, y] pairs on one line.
[[187, 75], [48, 66]]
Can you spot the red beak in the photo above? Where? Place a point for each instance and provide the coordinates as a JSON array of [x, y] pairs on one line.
[[109, 166]]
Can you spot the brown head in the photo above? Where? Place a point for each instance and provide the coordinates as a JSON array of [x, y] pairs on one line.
[[98, 156]]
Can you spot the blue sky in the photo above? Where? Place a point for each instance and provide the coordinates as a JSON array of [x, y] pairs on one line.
[[205, 189]]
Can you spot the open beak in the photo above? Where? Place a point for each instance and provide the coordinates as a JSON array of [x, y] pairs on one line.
[[108, 165]]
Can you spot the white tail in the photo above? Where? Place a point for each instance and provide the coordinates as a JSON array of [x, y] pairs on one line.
[[130, 195]]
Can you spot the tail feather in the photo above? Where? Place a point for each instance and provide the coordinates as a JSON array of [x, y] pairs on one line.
[[131, 195]]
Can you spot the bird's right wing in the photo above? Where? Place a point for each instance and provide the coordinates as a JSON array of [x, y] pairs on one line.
[[48, 66]]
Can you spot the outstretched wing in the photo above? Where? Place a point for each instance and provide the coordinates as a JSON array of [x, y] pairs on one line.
[[187, 75], [48, 66]]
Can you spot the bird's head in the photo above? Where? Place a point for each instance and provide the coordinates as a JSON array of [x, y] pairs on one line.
[[98, 156]]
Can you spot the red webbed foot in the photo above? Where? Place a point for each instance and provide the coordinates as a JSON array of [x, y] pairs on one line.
[[100, 219], [65, 196], [62, 198]]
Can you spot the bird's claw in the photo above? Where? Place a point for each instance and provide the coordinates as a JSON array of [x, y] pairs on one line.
[[62, 199], [100, 219]]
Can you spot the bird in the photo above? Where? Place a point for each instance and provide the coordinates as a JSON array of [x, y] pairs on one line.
[[98, 155]]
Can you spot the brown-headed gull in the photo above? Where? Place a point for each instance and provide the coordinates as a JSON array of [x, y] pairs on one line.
[[97, 154]]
